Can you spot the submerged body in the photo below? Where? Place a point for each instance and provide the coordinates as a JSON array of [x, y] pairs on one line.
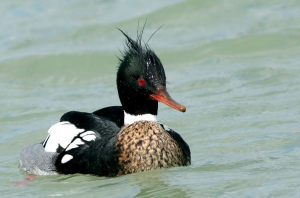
[[115, 140]]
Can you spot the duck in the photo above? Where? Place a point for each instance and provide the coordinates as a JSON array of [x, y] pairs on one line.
[[116, 140]]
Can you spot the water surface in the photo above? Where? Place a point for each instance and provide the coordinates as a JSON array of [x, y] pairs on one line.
[[234, 64]]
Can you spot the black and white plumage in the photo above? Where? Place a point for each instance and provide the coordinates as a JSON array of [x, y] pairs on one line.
[[107, 142]]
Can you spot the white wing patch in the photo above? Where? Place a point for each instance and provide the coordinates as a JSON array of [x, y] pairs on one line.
[[62, 135], [87, 133], [66, 158], [76, 143], [88, 136]]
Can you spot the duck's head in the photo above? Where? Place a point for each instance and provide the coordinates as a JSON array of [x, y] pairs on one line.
[[141, 82]]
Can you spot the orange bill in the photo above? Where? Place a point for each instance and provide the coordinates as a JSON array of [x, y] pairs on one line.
[[163, 96]]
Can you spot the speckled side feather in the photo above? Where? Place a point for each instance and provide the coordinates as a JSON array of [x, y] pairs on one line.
[[146, 146]]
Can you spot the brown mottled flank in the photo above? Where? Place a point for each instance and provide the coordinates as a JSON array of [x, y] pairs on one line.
[[146, 146]]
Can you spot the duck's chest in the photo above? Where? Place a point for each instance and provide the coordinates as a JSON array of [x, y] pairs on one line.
[[145, 146]]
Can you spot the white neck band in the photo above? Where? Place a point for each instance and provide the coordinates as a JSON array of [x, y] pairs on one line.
[[129, 119]]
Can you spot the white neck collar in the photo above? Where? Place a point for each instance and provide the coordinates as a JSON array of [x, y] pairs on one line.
[[129, 119]]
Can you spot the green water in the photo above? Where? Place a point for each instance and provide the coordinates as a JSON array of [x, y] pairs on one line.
[[234, 64]]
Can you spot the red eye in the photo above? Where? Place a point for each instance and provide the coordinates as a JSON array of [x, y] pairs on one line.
[[141, 81]]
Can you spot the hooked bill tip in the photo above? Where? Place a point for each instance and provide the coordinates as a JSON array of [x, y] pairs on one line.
[[183, 109]]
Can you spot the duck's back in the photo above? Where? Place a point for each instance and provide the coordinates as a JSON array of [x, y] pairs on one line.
[[145, 145]]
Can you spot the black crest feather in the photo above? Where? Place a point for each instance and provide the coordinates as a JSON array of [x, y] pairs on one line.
[[142, 52]]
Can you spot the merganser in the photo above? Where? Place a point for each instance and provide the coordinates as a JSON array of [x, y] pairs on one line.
[[115, 140]]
